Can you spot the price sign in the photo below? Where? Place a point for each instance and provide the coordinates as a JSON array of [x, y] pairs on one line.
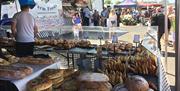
[[136, 39], [114, 38]]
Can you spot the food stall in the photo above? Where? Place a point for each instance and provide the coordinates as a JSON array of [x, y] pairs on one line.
[[98, 59], [94, 53]]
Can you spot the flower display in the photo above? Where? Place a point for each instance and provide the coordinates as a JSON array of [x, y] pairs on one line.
[[128, 20]]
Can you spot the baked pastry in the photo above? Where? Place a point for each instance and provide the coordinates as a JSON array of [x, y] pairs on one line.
[[12, 72], [4, 62], [39, 84], [53, 73], [32, 60], [12, 59]]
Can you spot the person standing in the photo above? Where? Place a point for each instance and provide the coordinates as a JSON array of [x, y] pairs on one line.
[[158, 19], [104, 16], [96, 18], [118, 13], [76, 20], [87, 15], [24, 29]]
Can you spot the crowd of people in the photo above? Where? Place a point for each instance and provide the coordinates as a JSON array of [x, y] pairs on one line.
[[109, 17]]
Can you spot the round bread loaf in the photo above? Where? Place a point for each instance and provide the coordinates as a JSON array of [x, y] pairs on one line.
[[39, 84], [13, 72], [53, 73], [137, 83]]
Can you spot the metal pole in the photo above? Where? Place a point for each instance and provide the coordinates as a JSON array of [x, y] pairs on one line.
[[177, 51], [166, 33]]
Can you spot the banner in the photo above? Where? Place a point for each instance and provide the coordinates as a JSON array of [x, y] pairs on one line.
[[48, 14]]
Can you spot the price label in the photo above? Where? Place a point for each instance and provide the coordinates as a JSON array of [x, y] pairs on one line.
[[114, 38], [136, 39]]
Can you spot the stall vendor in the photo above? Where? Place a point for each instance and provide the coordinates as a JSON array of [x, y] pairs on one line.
[[24, 29]]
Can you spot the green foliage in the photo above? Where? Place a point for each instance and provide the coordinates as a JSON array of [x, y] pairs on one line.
[[108, 2], [117, 2]]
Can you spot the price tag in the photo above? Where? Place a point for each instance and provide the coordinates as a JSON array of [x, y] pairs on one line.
[[136, 39], [114, 38]]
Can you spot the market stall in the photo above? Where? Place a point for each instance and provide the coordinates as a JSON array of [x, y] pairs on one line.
[[117, 63]]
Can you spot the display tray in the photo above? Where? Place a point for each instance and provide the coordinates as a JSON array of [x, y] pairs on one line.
[[122, 53]]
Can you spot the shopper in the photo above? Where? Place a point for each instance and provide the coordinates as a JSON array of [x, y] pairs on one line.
[[104, 16], [96, 18], [76, 20], [118, 13], [24, 29], [112, 19], [87, 15], [158, 19]]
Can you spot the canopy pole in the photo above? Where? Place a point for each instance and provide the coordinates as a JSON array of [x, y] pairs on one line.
[[166, 34], [177, 51]]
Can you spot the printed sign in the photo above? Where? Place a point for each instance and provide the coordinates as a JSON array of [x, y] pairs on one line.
[[48, 14], [136, 38]]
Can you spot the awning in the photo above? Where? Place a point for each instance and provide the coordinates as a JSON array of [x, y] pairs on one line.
[[126, 3], [148, 4]]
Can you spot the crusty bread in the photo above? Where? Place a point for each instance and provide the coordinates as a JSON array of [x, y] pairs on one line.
[[53, 73], [39, 84], [38, 61], [13, 72]]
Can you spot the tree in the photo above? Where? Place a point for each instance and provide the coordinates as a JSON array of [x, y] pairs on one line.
[[117, 2], [107, 2]]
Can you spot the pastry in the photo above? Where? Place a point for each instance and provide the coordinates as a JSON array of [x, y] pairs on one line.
[[12, 72], [32, 60], [39, 84], [4, 62], [53, 73]]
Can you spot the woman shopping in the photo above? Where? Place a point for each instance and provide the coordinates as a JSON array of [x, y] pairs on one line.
[[76, 20]]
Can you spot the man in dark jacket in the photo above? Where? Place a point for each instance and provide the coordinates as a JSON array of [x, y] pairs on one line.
[[158, 19]]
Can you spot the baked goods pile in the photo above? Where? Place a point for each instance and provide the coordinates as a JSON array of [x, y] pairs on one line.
[[83, 44], [15, 72], [9, 59], [55, 75], [94, 82], [54, 79], [7, 42], [39, 84], [137, 64], [118, 47], [36, 61], [64, 44]]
